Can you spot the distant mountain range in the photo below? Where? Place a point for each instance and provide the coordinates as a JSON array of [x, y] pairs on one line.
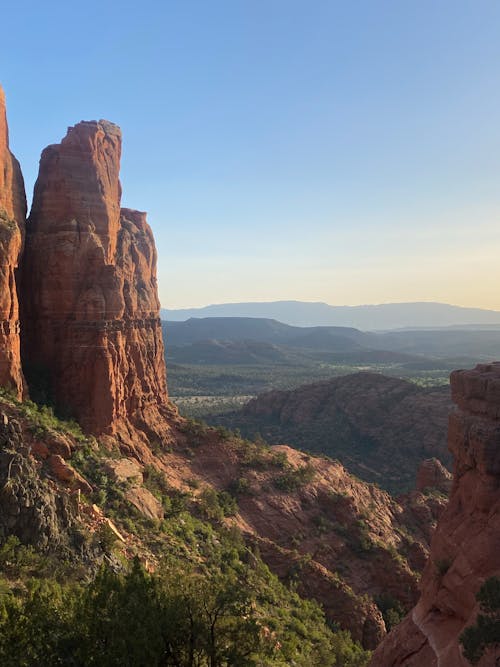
[[367, 318], [242, 340]]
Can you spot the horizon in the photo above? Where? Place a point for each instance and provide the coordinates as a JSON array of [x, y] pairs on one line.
[[329, 153], [324, 303]]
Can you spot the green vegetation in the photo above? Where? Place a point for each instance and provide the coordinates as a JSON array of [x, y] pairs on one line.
[[360, 539], [228, 612], [201, 391], [392, 610], [294, 478], [217, 504], [42, 417], [485, 633], [211, 602]]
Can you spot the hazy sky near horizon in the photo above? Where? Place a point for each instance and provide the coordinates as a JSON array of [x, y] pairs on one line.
[[346, 152]]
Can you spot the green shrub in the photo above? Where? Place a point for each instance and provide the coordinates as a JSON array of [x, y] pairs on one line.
[[294, 478], [485, 634], [392, 610]]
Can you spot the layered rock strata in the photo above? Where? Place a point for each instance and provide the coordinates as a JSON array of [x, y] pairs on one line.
[[466, 544], [12, 223], [90, 304]]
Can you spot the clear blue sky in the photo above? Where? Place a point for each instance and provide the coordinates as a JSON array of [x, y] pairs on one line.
[[320, 150]]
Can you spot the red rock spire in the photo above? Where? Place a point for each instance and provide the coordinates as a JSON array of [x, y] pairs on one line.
[[91, 311], [12, 223]]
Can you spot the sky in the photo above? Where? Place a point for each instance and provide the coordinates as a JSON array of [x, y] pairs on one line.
[[346, 152]]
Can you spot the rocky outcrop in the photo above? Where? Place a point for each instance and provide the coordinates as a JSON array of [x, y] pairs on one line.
[[32, 508], [12, 223], [144, 501], [466, 543], [65, 473], [379, 427], [432, 475], [90, 305]]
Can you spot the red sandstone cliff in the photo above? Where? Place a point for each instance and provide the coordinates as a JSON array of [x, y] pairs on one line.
[[466, 545], [90, 303], [12, 222]]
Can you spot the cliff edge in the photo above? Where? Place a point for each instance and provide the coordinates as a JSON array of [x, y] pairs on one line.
[[12, 224], [465, 547]]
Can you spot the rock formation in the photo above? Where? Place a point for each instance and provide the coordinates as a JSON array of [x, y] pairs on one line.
[[466, 544], [30, 507], [92, 334], [379, 427], [432, 475], [12, 222]]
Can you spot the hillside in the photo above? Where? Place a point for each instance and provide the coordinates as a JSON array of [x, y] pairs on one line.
[[312, 523], [424, 346], [380, 428]]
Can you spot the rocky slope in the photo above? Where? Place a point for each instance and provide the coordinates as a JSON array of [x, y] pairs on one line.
[[12, 223], [92, 335], [342, 542], [466, 544], [380, 428]]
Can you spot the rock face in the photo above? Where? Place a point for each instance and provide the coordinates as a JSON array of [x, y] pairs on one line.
[[466, 544], [433, 475], [90, 305], [12, 223], [379, 427], [30, 507]]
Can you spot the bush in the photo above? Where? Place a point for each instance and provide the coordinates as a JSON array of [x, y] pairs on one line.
[[217, 505], [239, 487], [294, 478], [392, 610], [485, 634]]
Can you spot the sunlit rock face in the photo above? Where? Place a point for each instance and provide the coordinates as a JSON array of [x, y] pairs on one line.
[[12, 224], [466, 545], [90, 303]]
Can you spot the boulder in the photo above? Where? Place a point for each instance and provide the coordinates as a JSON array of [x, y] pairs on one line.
[[66, 474]]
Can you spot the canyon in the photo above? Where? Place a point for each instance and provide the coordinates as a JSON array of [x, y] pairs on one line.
[[129, 477]]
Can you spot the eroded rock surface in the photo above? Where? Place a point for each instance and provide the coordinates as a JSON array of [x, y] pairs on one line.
[[379, 427], [432, 475], [30, 507], [90, 305], [12, 223], [466, 543]]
